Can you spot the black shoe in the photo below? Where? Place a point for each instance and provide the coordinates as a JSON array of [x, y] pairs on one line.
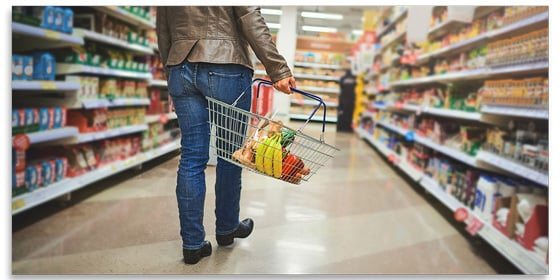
[[245, 228], [193, 256]]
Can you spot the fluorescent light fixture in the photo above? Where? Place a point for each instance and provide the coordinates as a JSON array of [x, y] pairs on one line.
[[322, 15], [357, 32], [273, 25], [271, 12], [319, 29]]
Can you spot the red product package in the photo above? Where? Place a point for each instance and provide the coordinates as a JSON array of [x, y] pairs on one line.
[[51, 118]]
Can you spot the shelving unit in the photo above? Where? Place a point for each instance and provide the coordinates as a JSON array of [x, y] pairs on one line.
[[488, 115], [317, 65], [315, 118], [52, 38], [42, 195], [45, 86], [26, 37], [69, 68], [315, 77], [518, 255], [101, 38], [126, 16], [312, 103], [320, 89]]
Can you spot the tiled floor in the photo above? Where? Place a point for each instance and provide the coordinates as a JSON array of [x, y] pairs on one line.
[[356, 216]]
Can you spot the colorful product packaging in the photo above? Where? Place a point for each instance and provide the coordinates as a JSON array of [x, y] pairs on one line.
[[47, 172], [17, 67], [68, 24], [44, 118], [27, 63], [44, 66], [59, 117], [32, 177], [58, 19], [61, 166]]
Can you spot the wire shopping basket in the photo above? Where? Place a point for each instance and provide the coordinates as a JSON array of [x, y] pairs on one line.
[[266, 146]]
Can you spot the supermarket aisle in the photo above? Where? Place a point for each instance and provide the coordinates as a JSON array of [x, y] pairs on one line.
[[357, 216]]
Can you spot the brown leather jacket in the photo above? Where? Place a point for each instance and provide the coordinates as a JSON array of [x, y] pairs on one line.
[[217, 35]]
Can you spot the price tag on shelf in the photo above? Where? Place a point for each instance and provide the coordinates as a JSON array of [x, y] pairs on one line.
[[47, 85], [399, 105], [52, 34], [18, 204], [474, 225], [163, 118]]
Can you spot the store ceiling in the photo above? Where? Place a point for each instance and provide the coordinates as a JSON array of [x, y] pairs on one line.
[[352, 17]]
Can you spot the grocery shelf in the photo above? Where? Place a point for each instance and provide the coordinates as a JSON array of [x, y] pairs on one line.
[[94, 136], [316, 118], [72, 68], [391, 23], [158, 83], [525, 23], [316, 77], [120, 102], [313, 103], [454, 153], [473, 116], [317, 65], [52, 134], [513, 251], [320, 89], [368, 114], [394, 40], [44, 194], [394, 128], [444, 27], [510, 249], [126, 16], [535, 113], [157, 118], [474, 74], [61, 39], [106, 39], [45, 85], [513, 167]]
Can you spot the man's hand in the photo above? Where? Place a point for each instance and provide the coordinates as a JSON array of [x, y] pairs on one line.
[[285, 84]]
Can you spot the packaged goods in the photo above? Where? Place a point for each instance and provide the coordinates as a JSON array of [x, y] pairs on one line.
[[68, 21], [44, 66], [47, 15], [17, 67], [27, 62], [59, 117], [61, 166], [48, 172]]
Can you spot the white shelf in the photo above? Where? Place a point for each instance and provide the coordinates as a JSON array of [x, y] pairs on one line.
[[44, 194], [52, 134], [102, 38], [394, 128], [474, 116], [319, 89], [515, 111], [94, 136], [528, 22], [316, 118], [391, 23], [156, 118], [510, 249], [513, 251], [317, 65], [45, 85], [126, 16], [70, 68], [120, 102], [316, 77], [369, 114], [158, 83], [444, 27], [513, 167], [394, 40], [456, 154], [46, 34], [312, 103], [476, 74]]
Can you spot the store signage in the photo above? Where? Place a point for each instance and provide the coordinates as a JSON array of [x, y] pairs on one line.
[[474, 225], [461, 214]]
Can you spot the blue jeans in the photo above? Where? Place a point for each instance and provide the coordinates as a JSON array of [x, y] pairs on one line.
[[189, 84]]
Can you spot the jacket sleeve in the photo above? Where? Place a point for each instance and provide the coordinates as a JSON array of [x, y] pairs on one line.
[[163, 35], [256, 32]]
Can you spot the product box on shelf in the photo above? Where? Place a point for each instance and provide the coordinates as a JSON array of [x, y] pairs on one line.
[[88, 120], [530, 215], [44, 66], [89, 87]]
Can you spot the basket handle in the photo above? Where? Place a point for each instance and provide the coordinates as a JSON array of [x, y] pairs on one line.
[[306, 94]]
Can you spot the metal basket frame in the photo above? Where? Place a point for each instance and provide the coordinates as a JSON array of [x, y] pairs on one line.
[[237, 130]]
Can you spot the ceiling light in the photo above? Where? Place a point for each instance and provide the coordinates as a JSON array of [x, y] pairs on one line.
[[273, 25], [271, 12], [319, 29], [322, 15], [357, 32]]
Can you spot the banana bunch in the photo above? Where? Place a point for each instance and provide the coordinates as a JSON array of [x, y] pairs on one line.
[[268, 156]]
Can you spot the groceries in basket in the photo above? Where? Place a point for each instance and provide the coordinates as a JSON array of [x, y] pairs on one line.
[[268, 152]]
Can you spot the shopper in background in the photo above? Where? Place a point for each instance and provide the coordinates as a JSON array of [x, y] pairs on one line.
[[205, 52]]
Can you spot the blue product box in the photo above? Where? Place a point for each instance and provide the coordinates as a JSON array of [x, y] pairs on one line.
[[61, 165], [47, 17], [27, 64], [44, 65], [58, 117], [31, 116], [58, 19], [68, 25], [31, 178], [48, 172], [17, 67], [44, 119]]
